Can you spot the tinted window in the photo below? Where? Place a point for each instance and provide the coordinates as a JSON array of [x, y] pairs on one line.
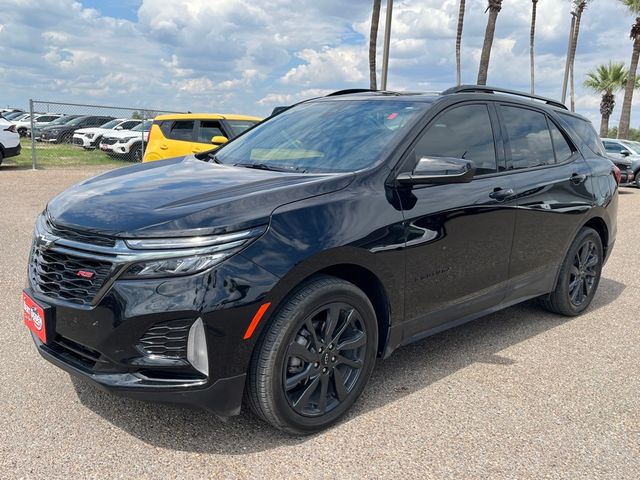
[[613, 147], [209, 129], [462, 132], [560, 145], [182, 130], [326, 135], [129, 124], [529, 137], [47, 118], [586, 132], [239, 126]]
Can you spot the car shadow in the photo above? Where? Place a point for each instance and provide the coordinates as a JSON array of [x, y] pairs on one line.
[[407, 371]]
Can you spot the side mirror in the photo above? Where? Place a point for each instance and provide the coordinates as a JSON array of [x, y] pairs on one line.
[[625, 153], [118, 128], [439, 171], [219, 140]]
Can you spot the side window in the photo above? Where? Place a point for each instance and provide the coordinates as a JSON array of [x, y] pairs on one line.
[[129, 125], [209, 129], [584, 129], [462, 132], [529, 137], [560, 145], [182, 130]]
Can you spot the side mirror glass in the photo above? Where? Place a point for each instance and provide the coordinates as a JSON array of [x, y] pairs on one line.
[[219, 140], [439, 171], [624, 153]]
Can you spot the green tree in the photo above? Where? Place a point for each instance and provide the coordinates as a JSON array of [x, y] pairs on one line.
[[459, 41], [607, 80], [625, 117], [493, 8], [373, 41]]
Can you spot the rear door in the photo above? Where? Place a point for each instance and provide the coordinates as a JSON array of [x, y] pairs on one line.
[[179, 138], [459, 236], [551, 179]]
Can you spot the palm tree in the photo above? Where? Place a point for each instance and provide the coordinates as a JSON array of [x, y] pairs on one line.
[[532, 40], [579, 6], [493, 7], [625, 117], [373, 40], [607, 79], [459, 41]]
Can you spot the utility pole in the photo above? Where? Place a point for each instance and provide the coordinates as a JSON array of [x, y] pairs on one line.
[[387, 41]]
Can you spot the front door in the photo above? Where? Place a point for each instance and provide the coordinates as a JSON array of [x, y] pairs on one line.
[[459, 236]]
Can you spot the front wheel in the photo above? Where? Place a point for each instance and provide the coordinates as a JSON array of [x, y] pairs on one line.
[[135, 154], [579, 275], [315, 358]]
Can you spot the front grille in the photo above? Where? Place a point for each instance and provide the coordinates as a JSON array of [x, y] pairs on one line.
[[168, 339], [80, 236], [55, 275], [109, 141]]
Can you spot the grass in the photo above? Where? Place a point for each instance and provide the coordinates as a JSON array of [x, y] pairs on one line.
[[63, 155]]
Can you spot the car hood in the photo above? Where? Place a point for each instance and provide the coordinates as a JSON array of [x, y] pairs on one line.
[[183, 196]]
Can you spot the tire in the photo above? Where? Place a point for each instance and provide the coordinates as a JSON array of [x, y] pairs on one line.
[[65, 138], [22, 132], [298, 327], [637, 179], [135, 154], [579, 275], [1, 156]]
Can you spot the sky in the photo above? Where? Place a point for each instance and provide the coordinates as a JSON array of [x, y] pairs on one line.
[[245, 56]]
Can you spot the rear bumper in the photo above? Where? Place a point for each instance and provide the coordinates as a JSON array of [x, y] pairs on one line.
[[222, 397], [12, 151]]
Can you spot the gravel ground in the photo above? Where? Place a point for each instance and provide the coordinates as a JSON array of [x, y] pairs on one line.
[[518, 394]]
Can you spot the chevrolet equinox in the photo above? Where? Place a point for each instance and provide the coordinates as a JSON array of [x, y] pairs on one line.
[[276, 268]]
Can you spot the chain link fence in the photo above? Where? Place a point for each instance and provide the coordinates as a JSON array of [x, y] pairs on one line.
[[69, 134]]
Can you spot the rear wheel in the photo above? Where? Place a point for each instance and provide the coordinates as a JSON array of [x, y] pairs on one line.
[[22, 132], [315, 358], [579, 275], [637, 179]]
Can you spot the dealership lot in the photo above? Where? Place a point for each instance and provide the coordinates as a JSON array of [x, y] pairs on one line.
[[521, 393]]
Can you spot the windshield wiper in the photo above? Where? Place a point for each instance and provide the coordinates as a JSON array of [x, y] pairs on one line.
[[264, 166]]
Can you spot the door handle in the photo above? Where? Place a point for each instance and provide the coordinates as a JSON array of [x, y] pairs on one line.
[[501, 194], [578, 178]]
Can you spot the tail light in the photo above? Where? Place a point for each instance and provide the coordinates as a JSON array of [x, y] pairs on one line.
[[617, 174], [10, 128]]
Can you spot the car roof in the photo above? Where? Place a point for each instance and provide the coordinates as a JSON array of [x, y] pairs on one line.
[[205, 116]]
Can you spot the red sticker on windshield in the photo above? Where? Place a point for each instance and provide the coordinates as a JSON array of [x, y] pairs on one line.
[[392, 116]]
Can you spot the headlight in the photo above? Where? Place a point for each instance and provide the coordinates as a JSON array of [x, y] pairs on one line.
[[175, 266], [125, 140], [168, 257]]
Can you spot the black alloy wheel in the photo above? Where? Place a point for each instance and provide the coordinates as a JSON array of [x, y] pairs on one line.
[[135, 154], [583, 273], [324, 359], [315, 356], [579, 275]]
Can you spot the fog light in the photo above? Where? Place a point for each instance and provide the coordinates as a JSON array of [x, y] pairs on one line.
[[197, 347]]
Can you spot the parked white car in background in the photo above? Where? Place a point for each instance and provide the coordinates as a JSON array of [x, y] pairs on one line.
[[129, 144], [89, 138], [9, 140], [39, 120]]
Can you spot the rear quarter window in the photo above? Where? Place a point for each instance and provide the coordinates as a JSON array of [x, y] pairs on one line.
[[585, 131]]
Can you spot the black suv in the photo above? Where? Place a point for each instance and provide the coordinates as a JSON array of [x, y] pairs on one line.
[[64, 133], [279, 266]]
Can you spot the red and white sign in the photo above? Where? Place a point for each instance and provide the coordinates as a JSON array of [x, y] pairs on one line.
[[33, 317]]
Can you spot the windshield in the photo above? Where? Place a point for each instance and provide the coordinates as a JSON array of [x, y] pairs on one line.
[[633, 146], [239, 126], [326, 136], [111, 123], [143, 127], [76, 121], [61, 121]]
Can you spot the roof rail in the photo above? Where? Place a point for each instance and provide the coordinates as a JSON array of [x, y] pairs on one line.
[[486, 89], [350, 91]]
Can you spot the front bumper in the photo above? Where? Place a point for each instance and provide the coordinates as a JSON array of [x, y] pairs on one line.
[[222, 397], [81, 141], [102, 342]]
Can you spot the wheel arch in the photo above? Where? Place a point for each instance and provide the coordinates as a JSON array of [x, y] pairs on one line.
[[600, 226]]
